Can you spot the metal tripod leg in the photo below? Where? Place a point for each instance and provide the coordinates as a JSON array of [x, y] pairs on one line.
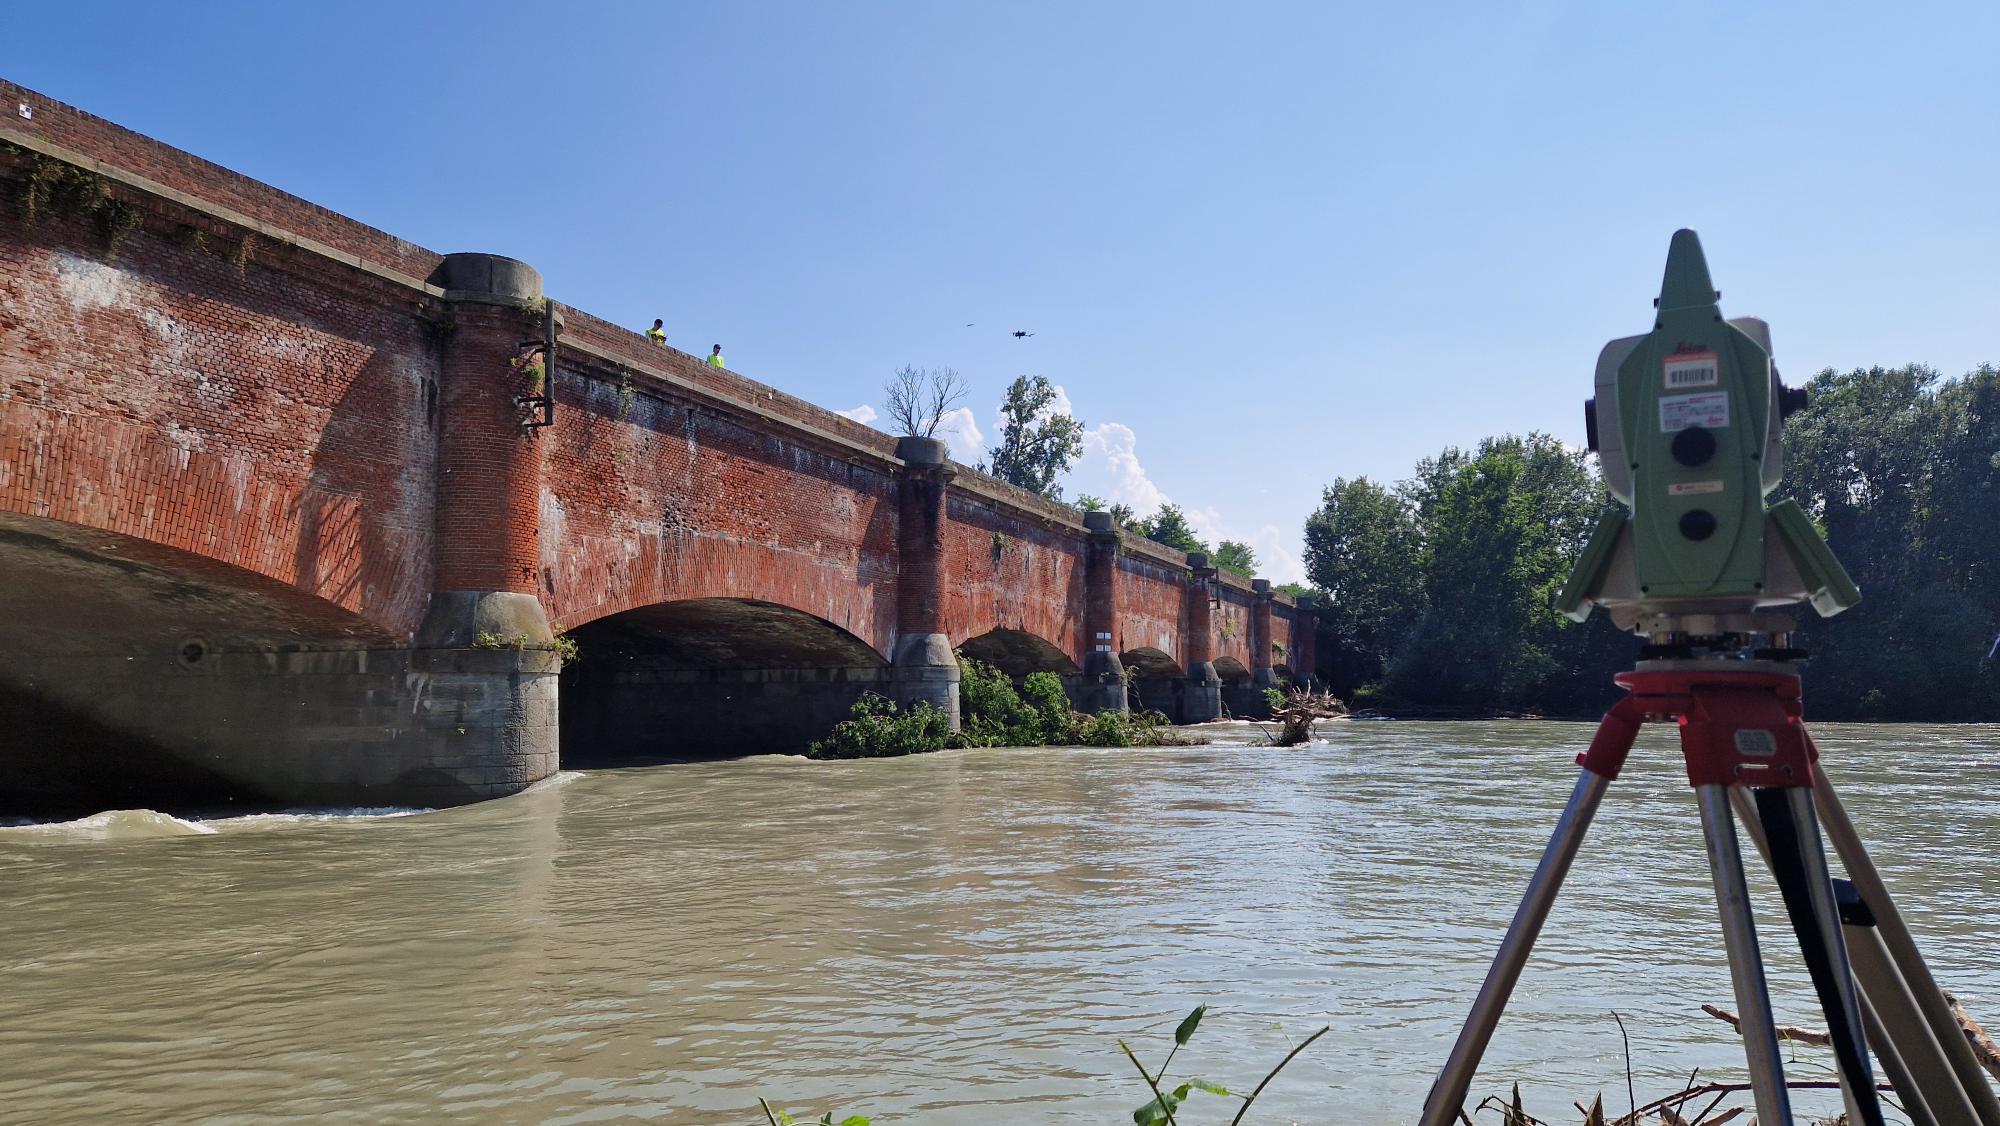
[[1746, 966], [1901, 947], [1448, 1093], [1798, 863]]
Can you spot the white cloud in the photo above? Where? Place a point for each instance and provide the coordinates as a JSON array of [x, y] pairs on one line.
[[961, 431], [862, 414], [1111, 456], [1111, 469]]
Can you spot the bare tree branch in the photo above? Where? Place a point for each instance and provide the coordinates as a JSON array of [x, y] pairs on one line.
[[919, 398]]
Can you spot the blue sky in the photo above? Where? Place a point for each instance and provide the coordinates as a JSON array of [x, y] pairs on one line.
[[1260, 246]]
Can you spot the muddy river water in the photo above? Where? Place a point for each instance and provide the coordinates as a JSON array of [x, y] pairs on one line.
[[955, 938]]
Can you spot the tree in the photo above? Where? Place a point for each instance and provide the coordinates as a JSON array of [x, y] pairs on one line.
[[1232, 555], [1037, 445], [1902, 471], [1121, 514], [1361, 552], [1169, 526], [919, 398], [1498, 529]]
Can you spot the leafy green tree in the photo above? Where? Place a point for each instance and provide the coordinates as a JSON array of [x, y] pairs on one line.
[[1902, 471], [1121, 514], [1232, 555], [1037, 445], [1362, 553], [1497, 530], [1169, 526]]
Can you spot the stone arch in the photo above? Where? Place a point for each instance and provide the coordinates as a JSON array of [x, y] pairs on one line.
[[710, 678], [1153, 664], [588, 579], [1018, 653], [1231, 670], [1155, 682], [143, 674]]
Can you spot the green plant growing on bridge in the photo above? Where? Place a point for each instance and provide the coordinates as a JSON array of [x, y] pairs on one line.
[[877, 729], [627, 395], [52, 185], [562, 644]]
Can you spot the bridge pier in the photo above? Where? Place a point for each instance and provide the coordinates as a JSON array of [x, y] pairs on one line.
[[923, 668], [485, 638], [1104, 687], [1263, 674], [1201, 699]]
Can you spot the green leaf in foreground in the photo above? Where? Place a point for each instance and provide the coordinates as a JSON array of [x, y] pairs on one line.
[[1186, 1030]]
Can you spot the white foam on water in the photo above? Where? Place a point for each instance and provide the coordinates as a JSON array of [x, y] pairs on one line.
[[559, 778], [313, 816], [116, 825]]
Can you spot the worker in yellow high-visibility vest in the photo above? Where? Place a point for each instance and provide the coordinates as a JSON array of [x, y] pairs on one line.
[[658, 333], [715, 357]]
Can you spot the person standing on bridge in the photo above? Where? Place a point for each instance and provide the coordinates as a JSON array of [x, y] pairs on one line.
[[715, 357], [658, 333]]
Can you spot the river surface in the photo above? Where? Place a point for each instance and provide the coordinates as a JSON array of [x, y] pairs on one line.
[[954, 938]]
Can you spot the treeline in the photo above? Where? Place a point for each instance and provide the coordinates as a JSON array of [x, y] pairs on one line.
[[1440, 588]]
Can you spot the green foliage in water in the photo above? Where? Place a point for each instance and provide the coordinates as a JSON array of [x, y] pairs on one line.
[[994, 713], [878, 729]]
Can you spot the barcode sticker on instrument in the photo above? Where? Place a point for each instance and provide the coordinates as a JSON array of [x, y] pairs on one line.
[[1694, 369]]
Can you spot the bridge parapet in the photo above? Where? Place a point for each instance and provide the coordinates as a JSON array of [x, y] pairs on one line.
[[306, 437]]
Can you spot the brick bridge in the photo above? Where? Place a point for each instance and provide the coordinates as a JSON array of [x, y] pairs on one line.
[[274, 524]]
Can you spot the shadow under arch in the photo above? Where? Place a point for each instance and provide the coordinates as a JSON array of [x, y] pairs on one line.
[[1018, 653], [136, 672], [709, 678], [1155, 682], [1231, 670]]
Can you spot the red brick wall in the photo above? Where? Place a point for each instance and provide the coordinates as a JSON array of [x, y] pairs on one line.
[[1151, 607], [1031, 579], [1233, 640], [273, 421], [281, 416], [678, 501]]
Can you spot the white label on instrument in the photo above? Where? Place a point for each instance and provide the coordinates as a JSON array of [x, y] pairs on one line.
[[1693, 369], [1693, 488], [1756, 743], [1709, 410]]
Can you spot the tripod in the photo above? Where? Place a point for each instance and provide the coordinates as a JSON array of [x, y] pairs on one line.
[[1747, 751]]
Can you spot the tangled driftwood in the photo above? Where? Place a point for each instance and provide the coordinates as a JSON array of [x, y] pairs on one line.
[[1298, 711]]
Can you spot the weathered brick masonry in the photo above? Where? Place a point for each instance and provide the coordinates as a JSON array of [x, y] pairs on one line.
[[271, 525]]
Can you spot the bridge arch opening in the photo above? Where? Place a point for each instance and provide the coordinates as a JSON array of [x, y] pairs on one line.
[[1155, 682], [1231, 670], [710, 678], [142, 675], [1018, 653]]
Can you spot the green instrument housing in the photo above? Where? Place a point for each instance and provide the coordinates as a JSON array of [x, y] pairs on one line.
[[1686, 422]]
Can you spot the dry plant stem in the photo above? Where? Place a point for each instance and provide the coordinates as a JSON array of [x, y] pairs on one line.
[[1983, 1047], [768, 1116], [1631, 1100], [1259, 1089], [1148, 1076], [1785, 1031]]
